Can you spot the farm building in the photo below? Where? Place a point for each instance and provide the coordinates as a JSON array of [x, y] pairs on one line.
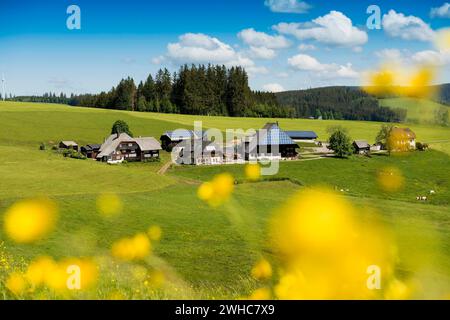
[[90, 150], [170, 139], [403, 138], [68, 145], [199, 152], [302, 136], [361, 146], [120, 147], [270, 143]]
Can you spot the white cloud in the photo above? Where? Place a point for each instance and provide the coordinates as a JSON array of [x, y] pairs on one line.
[[431, 57], [406, 27], [389, 54], [273, 87], [201, 48], [305, 62], [262, 45], [198, 47], [262, 53], [287, 6], [441, 12], [261, 39], [358, 49], [306, 47], [334, 29]]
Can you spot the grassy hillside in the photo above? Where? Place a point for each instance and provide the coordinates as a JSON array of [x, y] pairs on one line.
[[419, 110], [199, 243]]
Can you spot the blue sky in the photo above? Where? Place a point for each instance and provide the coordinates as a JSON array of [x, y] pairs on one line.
[[284, 44]]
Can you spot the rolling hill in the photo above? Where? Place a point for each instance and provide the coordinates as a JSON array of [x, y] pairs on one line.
[[202, 251]]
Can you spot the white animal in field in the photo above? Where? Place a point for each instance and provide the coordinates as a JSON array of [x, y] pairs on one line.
[[421, 198], [432, 192]]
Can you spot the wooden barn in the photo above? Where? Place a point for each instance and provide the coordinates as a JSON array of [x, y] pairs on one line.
[[361, 146], [120, 147], [67, 144], [91, 150]]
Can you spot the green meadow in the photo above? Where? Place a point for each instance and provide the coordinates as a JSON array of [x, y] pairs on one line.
[[199, 243]]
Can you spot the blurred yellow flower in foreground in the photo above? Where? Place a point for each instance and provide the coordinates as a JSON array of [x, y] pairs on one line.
[[88, 271], [325, 250], [419, 84], [261, 294], [253, 171], [16, 283], [262, 270], [218, 190], [398, 290], [109, 204], [134, 248], [392, 79], [381, 82], [39, 270], [30, 220], [55, 275], [154, 233], [390, 179]]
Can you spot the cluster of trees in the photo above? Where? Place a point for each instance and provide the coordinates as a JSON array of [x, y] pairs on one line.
[[340, 103], [200, 90], [48, 97]]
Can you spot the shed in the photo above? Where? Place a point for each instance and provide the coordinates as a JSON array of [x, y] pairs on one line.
[[67, 144]]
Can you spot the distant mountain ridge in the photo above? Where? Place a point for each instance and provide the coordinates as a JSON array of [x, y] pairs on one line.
[[350, 103]]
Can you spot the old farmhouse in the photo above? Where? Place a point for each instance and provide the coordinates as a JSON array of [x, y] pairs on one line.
[[361, 146], [120, 147], [170, 139], [91, 150], [403, 139], [270, 143], [302, 136]]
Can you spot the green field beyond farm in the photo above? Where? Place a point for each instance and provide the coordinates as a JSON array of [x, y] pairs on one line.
[[206, 255]]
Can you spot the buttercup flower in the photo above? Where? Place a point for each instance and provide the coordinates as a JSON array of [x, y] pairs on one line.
[[16, 283], [253, 171], [30, 220], [262, 270], [134, 248], [217, 191]]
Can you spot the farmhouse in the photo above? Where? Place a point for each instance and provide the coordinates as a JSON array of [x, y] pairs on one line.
[[269, 143], [361, 146], [90, 150], [170, 139], [120, 147], [302, 136], [68, 145], [403, 138], [199, 152]]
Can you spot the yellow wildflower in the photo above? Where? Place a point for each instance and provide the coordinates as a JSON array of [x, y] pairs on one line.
[[30, 220], [16, 283], [262, 270], [135, 248], [253, 171], [260, 294], [217, 191]]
